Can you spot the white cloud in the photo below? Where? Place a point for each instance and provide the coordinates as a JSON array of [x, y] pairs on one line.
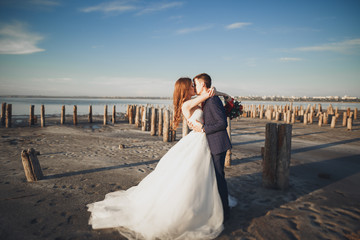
[[15, 39], [194, 29], [346, 47], [116, 6], [159, 7], [237, 25], [290, 59]]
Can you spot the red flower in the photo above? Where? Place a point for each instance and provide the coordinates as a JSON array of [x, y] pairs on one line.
[[233, 108]]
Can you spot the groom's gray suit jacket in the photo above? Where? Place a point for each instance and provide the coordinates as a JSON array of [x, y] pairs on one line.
[[215, 125]]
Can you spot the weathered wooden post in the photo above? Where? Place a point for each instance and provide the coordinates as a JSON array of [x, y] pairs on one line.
[[42, 116], [160, 122], [228, 152], [153, 122], [113, 117], [269, 156], [144, 119], [276, 156], [8, 115], [90, 118], [172, 130], [130, 114], [355, 113], [62, 117], [293, 117], [75, 120], [325, 118], [127, 111], [3, 114], [344, 119], [311, 116], [31, 165], [185, 128], [277, 115], [348, 111], [166, 125], [305, 118], [283, 156], [105, 114], [349, 124], [320, 119], [333, 121], [137, 116], [31, 115]]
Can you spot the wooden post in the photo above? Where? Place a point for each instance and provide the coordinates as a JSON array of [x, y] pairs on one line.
[[3, 114], [75, 120], [8, 115], [348, 111], [105, 114], [293, 118], [277, 115], [42, 116], [311, 116], [153, 122], [355, 113], [320, 119], [31, 115], [185, 128], [144, 119], [127, 111], [62, 117], [305, 118], [228, 152], [137, 116], [349, 124], [333, 121], [166, 125], [90, 118], [283, 156], [31, 165], [270, 156], [113, 117], [344, 119], [160, 122], [325, 118], [172, 130]]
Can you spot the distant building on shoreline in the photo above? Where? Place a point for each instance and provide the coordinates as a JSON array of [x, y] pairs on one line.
[[299, 99]]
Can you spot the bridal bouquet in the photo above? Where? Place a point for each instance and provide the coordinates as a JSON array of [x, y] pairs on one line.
[[233, 108]]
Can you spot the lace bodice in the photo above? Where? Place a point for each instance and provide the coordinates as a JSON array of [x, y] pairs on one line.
[[197, 115]]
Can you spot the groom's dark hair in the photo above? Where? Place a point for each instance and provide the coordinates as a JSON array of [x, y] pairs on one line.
[[205, 78]]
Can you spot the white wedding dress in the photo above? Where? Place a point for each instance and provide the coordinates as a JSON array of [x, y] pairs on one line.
[[178, 200]]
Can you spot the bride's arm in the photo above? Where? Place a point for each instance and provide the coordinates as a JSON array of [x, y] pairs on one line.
[[189, 104], [225, 95]]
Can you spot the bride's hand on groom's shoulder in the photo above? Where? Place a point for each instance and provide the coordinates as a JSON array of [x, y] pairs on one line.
[[210, 92]]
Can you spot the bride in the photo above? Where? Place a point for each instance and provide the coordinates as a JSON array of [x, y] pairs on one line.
[[179, 199]]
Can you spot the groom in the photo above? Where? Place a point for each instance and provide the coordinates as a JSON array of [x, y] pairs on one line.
[[215, 124]]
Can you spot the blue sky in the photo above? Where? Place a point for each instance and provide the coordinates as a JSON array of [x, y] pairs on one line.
[[140, 48]]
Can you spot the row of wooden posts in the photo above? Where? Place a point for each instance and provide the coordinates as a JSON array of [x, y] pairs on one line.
[[156, 120], [290, 114], [6, 115]]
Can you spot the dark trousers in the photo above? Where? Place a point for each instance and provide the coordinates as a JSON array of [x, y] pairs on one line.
[[219, 161]]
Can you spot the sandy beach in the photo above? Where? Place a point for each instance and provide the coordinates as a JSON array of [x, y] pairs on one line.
[[82, 163]]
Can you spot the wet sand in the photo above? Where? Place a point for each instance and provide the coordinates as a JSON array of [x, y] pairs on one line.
[[82, 163]]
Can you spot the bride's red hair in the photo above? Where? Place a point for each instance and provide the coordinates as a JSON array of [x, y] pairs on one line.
[[181, 93]]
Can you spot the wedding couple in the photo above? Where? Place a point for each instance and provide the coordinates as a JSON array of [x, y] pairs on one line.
[[186, 196]]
